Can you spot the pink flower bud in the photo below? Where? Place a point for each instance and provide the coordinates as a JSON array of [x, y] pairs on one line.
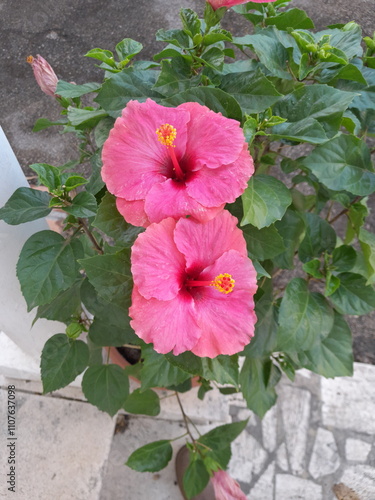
[[216, 4], [44, 74], [225, 487]]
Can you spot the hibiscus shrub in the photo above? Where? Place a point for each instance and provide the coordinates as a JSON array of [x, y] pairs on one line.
[[221, 234]]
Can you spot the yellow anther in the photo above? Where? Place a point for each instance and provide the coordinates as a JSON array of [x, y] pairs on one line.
[[166, 134], [224, 283]]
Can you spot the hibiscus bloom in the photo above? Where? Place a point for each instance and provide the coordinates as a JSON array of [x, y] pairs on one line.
[[171, 162], [216, 4], [44, 75], [193, 287], [225, 487]]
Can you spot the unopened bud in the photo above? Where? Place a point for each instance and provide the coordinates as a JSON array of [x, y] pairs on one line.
[[44, 74]]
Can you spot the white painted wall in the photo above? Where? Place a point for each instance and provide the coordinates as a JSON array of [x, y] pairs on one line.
[[15, 321]]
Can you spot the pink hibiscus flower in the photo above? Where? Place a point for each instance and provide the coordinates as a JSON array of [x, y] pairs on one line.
[[225, 487], [44, 75], [193, 287], [171, 162], [216, 4]]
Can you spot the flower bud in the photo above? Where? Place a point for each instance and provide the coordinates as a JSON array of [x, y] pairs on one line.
[[44, 74]]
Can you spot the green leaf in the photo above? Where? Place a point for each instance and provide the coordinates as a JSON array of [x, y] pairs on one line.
[[270, 51], [48, 175], [143, 403], [304, 317], [152, 457], [195, 478], [95, 183], [343, 163], [111, 276], [319, 237], [62, 360], [102, 130], [252, 90], [175, 76], [292, 230], [25, 205], [112, 223], [82, 118], [344, 258], [83, 205], [111, 313], [104, 333], [333, 356], [264, 341], [258, 379], [190, 22], [105, 56], [367, 242], [332, 284], [43, 123], [222, 369], [64, 307], [157, 371], [71, 90], [47, 265], [215, 99], [106, 386], [176, 37], [263, 243], [309, 107], [312, 267], [127, 49], [353, 295], [123, 87], [264, 201], [221, 437], [292, 18]]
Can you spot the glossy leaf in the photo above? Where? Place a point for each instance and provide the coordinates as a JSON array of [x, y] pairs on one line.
[[25, 205], [264, 201], [195, 478], [292, 230], [62, 360], [106, 386], [83, 205], [343, 163], [152, 457], [333, 356], [353, 295], [252, 90], [304, 317], [143, 403], [111, 276], [263, 243], [47, 265], [258, 379], [111, 222], [319, 237]]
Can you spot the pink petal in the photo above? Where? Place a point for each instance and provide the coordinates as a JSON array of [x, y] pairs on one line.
[[170, 199], [158, 268], [167, 324], [221, 185], [133, 211], [226, 488], [213, 140], [133, 158], [226, 320], [202, 244]]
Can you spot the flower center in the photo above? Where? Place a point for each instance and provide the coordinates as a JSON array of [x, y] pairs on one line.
[[224, 283], [166, 135]]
